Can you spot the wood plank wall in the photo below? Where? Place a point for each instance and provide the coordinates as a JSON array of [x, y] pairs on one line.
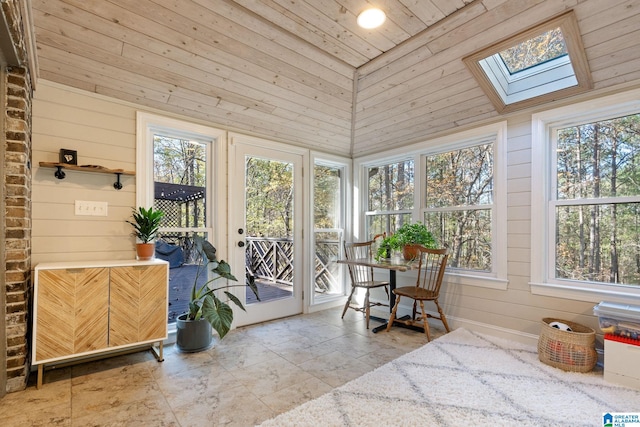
[[225, 66], [416, 91], [235, 70], [422, 88], [103, 133]]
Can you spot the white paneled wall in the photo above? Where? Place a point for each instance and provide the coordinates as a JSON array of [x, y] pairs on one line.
[[103, 133]]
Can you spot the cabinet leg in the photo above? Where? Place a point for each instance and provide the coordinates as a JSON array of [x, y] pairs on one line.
[[158, 352], [40, 374]]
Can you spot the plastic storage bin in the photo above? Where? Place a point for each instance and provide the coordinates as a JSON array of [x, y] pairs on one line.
[[618, 319], [621, 357]]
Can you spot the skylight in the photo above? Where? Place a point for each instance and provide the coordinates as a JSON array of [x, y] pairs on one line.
[[534, 51], [540, 64]]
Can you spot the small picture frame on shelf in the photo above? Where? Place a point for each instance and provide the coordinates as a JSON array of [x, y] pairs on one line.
[[69, 157]]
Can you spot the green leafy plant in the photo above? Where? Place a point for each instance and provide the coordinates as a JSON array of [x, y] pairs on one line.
[[204, 302], [146, 223], [416, 233]]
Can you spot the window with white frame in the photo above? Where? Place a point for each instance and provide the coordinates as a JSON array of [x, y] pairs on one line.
[[459, 204], [329, 185], [459, 193], [390, 197], [589, 241]]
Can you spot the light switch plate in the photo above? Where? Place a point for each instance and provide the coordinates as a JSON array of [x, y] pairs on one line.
[[91, 208]]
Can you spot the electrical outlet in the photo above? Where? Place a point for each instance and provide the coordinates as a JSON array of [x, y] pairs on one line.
[[91, 208]]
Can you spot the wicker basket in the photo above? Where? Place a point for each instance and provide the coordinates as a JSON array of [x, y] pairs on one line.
[[568, 350]]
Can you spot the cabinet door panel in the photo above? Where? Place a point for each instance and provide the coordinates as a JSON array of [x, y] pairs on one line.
[[138, 308], [153, 303], [72, 312], [91, 309], [124, 311]]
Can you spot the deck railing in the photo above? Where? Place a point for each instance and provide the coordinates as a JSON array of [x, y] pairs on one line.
[[272, 259]]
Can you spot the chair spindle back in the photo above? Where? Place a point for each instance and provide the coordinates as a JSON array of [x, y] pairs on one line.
[[433, 263]]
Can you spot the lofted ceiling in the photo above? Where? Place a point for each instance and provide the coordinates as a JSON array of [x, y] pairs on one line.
[[331, 25], [279, 68], [302, 71]]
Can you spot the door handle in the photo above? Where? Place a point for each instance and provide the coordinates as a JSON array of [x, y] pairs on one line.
[[241, 244]]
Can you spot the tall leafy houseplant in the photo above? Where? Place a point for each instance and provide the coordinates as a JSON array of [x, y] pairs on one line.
[[407, 235], [146, 223], [206, 309]]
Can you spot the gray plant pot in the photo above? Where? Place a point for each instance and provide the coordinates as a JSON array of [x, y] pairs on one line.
[[193, 335]]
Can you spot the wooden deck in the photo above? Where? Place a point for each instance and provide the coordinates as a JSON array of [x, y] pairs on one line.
[[181, 281]]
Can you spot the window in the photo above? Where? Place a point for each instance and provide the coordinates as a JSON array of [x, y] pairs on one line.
[[597, 210], [459, 194], [459, 204], [329, 185], [390, 196], [180, 190], [180, 180], [592, 196], [542, 63], [523, 56]]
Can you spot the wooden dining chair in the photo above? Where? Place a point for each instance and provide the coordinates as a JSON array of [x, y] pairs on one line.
[[427, 288], [362, 277]]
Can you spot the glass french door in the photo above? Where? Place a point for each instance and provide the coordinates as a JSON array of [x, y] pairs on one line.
[[266, 229], [181, 184]]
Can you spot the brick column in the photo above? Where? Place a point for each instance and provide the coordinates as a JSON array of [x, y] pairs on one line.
[[17, 181], [15, 176]]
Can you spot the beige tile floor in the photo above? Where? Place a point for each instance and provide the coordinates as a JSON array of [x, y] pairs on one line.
[[255, 373]]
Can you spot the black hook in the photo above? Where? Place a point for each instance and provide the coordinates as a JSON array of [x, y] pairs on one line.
[[59, 173], [117, 185]]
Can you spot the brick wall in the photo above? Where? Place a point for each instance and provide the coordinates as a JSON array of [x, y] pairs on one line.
[[16, 177], [17, 166]]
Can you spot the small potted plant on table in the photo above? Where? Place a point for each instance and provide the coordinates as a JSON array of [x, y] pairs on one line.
[[405, 239], [146, 223]]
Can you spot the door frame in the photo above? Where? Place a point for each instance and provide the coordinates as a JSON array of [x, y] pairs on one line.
[[146, 125], [313, 302], [301, 267]]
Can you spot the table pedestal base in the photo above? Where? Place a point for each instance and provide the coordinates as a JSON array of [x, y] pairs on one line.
[[385, 322]]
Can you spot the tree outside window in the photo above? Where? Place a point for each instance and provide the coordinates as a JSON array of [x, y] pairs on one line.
[[390, 196], [459, 204], [597, 201]]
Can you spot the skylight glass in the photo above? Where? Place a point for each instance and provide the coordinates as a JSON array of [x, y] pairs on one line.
[[534, 51], [543, 63]]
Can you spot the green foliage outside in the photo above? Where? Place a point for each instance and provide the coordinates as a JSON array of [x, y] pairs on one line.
[[459, 197], [180, 161], [537, 50], [269, 196], [598, 201]]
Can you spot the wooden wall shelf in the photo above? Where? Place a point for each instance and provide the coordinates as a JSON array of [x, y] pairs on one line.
[[59, 173]]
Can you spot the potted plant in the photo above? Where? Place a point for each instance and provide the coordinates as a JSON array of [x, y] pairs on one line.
[[206, 309], [146, 223], [405, 239]]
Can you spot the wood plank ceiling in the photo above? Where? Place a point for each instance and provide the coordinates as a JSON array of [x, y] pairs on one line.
[[302, 71]]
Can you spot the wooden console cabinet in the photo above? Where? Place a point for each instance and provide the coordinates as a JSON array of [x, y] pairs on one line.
[[95, 308]]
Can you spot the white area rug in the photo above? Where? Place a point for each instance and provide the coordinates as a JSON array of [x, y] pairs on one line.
[[467, 379]]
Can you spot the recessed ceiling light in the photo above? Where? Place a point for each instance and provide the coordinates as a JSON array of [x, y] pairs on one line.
[[371, 18]]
